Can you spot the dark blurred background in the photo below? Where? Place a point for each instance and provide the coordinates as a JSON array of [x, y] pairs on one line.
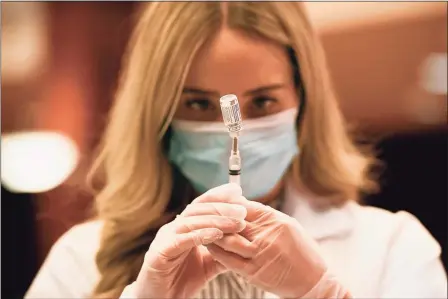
[[60, 62]]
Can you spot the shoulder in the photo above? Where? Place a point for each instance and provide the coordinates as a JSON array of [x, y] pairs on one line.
[[401, 241], [383, 219], [80, 244], [400, 250], [400, 227], [69, 270], [83, 238]]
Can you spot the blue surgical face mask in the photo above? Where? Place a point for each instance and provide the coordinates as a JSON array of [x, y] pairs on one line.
[[267, 146]]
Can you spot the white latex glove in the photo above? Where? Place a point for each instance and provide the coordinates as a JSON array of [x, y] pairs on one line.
[[274, 253], [175, 266], [328, 287]]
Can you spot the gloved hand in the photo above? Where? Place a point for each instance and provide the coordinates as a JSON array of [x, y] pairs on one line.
[[328, 287], [175, 266], [274, 253]]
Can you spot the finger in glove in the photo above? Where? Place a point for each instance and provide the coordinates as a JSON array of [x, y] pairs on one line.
[[226, 224], [229, 260], [235, 243], [227, 193], [215, 208]]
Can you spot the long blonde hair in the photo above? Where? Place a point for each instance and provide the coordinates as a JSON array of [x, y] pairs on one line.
[[137, 181]]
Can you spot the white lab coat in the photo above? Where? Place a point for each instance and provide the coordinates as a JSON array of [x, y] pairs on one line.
[[375, 253]]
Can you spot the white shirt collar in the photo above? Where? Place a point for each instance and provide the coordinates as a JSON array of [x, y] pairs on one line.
[[320, 224]]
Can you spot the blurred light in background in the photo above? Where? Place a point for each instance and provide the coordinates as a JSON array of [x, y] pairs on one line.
[[24, 42], [35, 162], [427, 101], [336, 15], [435, 74]]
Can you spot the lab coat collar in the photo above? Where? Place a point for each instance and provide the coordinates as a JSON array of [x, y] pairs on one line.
[[333, 222]]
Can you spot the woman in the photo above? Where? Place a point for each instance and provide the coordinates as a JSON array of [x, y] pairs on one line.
[[165, 145]]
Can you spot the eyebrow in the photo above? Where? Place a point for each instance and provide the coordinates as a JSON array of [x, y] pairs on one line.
[[255, 91], [262, 89], [200, 91]]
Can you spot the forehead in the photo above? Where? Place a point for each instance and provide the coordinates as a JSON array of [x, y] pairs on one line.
[[233, 62]]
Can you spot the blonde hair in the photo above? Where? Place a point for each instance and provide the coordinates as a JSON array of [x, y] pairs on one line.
[[135, 175]]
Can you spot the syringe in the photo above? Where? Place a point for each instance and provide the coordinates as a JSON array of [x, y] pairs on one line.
[[231, 114]]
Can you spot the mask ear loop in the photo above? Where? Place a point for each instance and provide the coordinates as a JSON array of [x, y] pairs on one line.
[[183, 193], [302, 106], [298, 83], [300, 88]]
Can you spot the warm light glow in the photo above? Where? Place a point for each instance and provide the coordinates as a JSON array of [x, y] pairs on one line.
[[336, 15], [35, 162], [434, 75], [24, 40]]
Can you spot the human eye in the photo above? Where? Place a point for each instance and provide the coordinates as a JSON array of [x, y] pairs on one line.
[[199, 104], [263, 105], [263, 102]]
